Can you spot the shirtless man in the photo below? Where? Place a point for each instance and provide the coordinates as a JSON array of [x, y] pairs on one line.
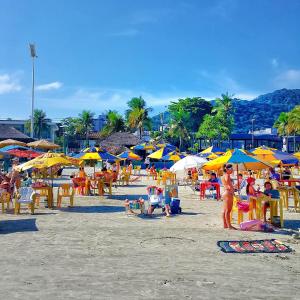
[[227, 196]]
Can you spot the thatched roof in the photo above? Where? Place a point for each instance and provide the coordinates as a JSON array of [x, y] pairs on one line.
[[119, 142], [8, 132]]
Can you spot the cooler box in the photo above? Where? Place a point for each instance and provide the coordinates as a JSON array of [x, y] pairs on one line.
[[175, 206]]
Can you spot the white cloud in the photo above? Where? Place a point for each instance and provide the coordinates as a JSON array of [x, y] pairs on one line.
[[49, 86], [9, 84], [288, 79], [274, 62]]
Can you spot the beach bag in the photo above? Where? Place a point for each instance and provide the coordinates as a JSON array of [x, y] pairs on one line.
[[175, 206], [255, 225]]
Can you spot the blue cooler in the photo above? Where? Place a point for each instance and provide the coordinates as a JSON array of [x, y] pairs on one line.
[[175, 206]]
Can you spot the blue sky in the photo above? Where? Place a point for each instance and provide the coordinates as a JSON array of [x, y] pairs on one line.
[[96, 55]]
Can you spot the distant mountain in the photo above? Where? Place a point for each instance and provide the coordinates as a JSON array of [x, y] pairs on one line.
[[265, 109]]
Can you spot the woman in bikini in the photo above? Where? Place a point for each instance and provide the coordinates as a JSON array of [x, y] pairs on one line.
[[227, 196]]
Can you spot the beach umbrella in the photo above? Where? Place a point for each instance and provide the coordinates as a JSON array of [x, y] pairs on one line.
[[274, 156], [239, 159], [49, 160], [11, 147], [166, 145], [3, 154], [297, 154], [97, 156], [129, 155], [144, 146], [24, 153], [10, 142], [92, 149], [174, 156], [212, 149], [160, 153], [43, 144], [190, 161]]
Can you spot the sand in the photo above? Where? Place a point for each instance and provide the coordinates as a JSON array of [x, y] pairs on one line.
[[96, 251]]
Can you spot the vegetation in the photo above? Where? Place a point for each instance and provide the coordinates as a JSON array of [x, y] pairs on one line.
[[115, 123], [190, 118], [40, 124], [85, 123], [137, 116], [218, 125], [288, 122]]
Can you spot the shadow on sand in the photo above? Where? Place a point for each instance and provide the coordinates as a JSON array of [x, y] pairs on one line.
[[129, 197], [21, 225], [93, 209]]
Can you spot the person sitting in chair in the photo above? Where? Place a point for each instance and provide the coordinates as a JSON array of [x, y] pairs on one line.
[[156, 201]]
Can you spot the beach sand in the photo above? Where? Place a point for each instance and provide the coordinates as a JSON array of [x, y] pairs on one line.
[[96, 251]]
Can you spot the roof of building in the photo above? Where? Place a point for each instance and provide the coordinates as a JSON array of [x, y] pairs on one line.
[[8, 132], [116, 142]]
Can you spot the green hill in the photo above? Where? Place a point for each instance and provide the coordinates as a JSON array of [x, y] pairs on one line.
[[265, 109]]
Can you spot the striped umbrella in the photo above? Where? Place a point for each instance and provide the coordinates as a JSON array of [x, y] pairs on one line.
[[160, 153], [174, 156], [129, 155]]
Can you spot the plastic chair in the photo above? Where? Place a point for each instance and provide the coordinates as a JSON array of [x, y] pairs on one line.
[[65, 191], [5, 198], [242, 207], [25, 195]]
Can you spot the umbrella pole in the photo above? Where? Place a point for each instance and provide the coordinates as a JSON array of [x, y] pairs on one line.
[[237, 176]]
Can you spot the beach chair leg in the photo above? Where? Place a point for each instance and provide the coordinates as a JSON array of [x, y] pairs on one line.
[[71, 201]]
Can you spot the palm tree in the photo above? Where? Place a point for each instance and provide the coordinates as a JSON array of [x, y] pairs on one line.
[[40, 123], [294, 120], [137, 115], [282, 124], [85, 123], [178, 126], [115, 122], [224, 105]]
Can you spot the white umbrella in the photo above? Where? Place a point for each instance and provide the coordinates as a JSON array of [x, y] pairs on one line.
[[190, 161]]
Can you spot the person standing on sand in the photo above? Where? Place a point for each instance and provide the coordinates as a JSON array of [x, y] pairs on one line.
[[227, 196]]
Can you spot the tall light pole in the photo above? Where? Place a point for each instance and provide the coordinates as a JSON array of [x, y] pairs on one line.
[[252, 120], [33, 56]]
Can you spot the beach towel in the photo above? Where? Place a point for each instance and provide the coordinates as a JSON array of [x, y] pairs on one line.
[[255, 246]]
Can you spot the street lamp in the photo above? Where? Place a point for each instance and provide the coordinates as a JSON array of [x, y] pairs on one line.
[[252, 120], [33, 56]]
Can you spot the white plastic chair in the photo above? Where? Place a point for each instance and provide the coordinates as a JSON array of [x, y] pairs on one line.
[[25, 195]]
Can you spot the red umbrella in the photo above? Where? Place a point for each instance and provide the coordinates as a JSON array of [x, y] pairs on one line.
[[24, 153]]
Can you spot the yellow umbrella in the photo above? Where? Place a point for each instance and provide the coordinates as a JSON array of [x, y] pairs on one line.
[[43, 144], [241, 160], [174, 156], [297, 154], [212, 149], [160, 153], [9, 142], [49, 160]]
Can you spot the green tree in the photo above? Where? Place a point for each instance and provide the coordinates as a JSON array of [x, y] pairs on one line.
[[196, 107], [178, 127], [294, 120], [85, 123], [282, 124], [115, 123], [137, 116], [40, 123], [219, 124]]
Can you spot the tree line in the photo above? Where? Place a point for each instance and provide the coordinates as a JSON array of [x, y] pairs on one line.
[[189, 120]]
